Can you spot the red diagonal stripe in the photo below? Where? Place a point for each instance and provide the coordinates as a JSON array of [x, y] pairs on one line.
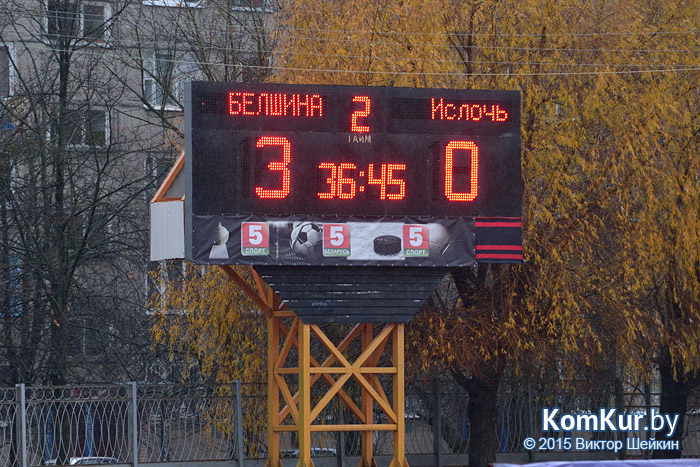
[[497, 256], [500, 247]]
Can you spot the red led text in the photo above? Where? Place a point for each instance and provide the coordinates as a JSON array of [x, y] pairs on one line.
[[354, 127], [386, 178], [338, 180], [277, 166], [441, 110], [342, 184], [275, 105]]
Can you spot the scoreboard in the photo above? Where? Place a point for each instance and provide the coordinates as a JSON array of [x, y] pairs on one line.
[[351, 175]]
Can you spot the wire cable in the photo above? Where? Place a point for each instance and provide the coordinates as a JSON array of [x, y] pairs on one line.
[[196, 63]]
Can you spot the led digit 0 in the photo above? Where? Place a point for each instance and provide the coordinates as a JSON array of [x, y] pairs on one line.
[[277, 166], [449, 170]]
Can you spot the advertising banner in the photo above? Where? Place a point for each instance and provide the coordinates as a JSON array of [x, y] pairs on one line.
[[339, 242]]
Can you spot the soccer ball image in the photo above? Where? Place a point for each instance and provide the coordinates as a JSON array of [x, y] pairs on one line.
[[306, 239]]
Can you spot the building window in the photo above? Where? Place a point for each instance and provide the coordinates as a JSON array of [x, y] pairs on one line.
[[61, 18], [87, 128], [175, 3], [87, 21], [159, 86], [249, 4], [7, 71], [95, 18]]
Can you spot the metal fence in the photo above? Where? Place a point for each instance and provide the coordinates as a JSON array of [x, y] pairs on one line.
[[126, 423], [144, 423]]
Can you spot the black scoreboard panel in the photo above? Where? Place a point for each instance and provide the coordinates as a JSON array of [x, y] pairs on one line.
[[276, 150], [260, 154]]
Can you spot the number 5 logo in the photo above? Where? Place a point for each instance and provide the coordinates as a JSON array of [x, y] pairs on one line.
[[416, 240], [255, 239], [336, 240]]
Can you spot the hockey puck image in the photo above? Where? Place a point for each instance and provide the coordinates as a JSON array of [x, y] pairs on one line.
[[387, 245]]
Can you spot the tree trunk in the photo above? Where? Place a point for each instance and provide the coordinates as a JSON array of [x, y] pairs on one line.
[[675, 391], [483, 393], [483, 419]]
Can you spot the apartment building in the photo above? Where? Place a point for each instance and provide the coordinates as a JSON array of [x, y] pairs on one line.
[[90, 120]]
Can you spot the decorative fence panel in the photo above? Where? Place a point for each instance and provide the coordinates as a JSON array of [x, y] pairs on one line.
[[109, 423]]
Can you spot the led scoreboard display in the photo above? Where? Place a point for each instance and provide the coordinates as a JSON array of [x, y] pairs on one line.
[[329, 175]]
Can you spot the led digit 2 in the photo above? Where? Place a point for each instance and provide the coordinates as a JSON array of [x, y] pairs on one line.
[[354, 127]]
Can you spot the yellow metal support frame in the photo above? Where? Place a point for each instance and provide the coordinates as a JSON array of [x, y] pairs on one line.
[[298, 413]]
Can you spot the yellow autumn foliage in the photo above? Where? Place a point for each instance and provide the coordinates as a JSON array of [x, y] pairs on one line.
[[208, 321]]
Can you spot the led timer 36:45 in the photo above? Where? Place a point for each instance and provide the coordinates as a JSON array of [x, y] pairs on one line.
[[346, 187]]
